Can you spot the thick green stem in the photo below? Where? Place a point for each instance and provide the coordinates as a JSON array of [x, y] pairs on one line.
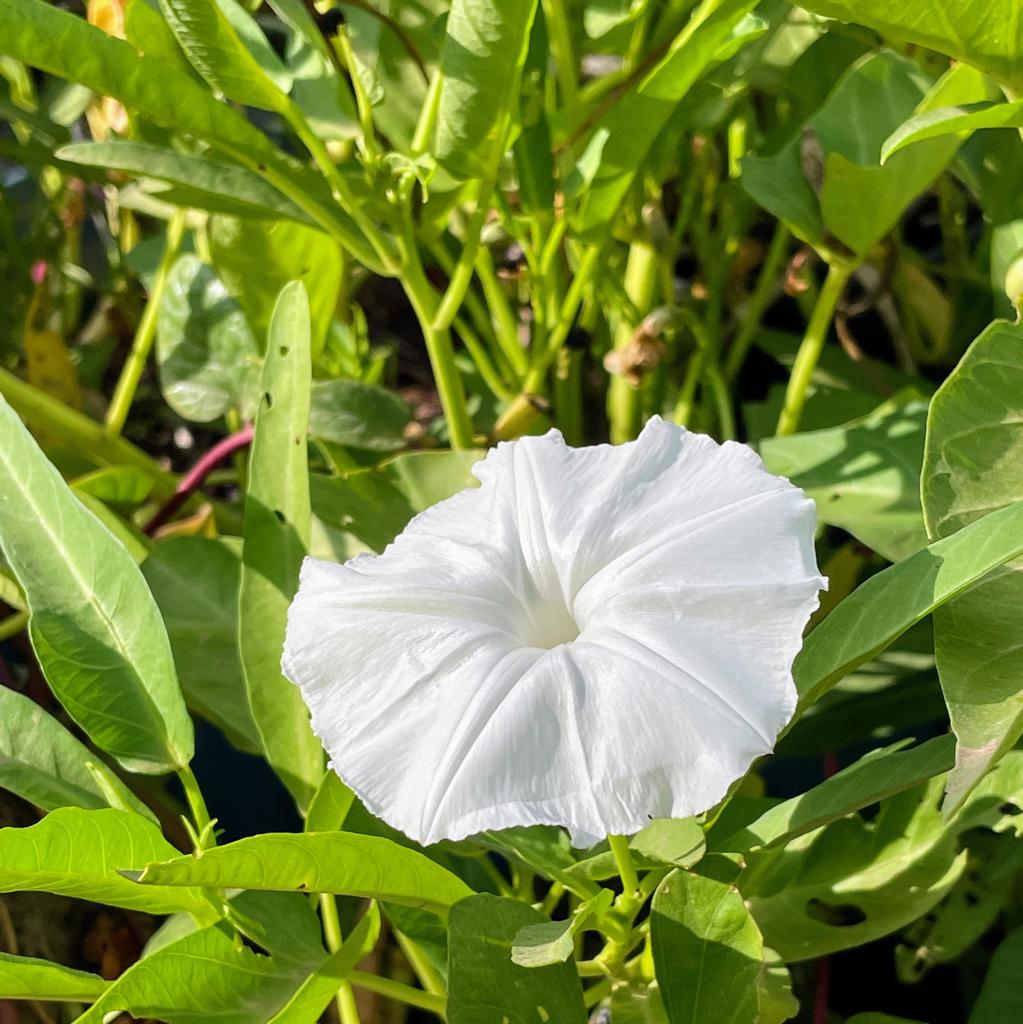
[[626, 869], [812, 345], [348, 1011], [131, 374], [624, 400], [400, 992], [568, 395]]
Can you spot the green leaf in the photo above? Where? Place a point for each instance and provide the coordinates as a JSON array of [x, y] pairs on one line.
[[67, 46], [208, 358], [708, 953], [330, 805], [277, 521], [961, 121], [886, 605], [861, 201], [201, 175], [633, 1005], [200, 977], [875, 776], [213, 47], [256, 259], [678, 842], [43, 763], [855, 881], [75, 852], [486, 987], [484, 49], [776, 181], [985, 33], [543, 849], [195, 582], [973, 464], [116, 485], [552, 942], [24, 977], [95, 627], [376, 504], [343, 863], [863, 476], [623, 137], [1001, 998], [358, 415], [316, 992]]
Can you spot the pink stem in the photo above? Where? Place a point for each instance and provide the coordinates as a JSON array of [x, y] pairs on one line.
[[194, 478]]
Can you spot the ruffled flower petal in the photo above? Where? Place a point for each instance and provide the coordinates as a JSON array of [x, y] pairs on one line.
[[592, 638]]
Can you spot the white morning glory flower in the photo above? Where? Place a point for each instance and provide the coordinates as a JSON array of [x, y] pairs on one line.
[[591, 638]]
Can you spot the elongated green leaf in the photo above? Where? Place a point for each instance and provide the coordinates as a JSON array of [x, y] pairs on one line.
[[209, 360], [877, 775], [200, 977], [623, 137], [24, 977], [339, 862], [95, 627], [276, 539], [77, 853], [974, 463], [864, 476], [678, 842], [214, 48], [708, 953], [44, 764], [485, 986], [195, 582], [358, 415], [985, 33], [1001, 998], [889, 603], [201, 174], [484, 50], [330, 806], [961, 121], [48, 38], [316, 992]]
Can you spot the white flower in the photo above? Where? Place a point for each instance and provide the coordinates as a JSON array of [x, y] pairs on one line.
[[593, 637]]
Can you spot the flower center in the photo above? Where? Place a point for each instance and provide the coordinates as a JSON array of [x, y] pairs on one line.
[[551, 624]]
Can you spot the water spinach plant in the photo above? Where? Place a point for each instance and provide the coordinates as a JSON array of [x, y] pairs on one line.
[[611, 411]]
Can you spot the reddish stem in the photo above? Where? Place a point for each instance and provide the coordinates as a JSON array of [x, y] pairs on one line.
[[194, 478]]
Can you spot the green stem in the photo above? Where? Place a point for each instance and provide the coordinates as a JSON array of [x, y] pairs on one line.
[[348, 1011], [568, 395], [565, 65], [438, 345], [420, 964], [362, 101], [196, 803], [812, 345], [461, 276], [626, 869], [624, 400], [506, 327], [763, 293], [131, 374], [428, 116], [399, 992]]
